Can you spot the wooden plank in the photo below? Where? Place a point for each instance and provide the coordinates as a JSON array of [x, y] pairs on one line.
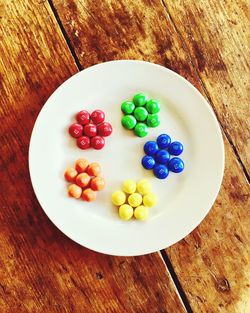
[[40, 269], [211, 263]]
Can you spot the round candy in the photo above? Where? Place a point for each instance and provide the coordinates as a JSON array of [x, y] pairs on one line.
[[127, 107], [163, 141], [74, 191], [75, 130], [151, 147], [175, 148], [161, 171], [140, 114], [176, 165], [97, 116], [129, 186], [97, 183], [118, 198], [153, 120], [144, 187], [139, 100], [97, 142], [70, 174], [153, 106], [162, 157], [135, 199], [148, 162], [81, 165], [141, 130], [126, 212], [90, 130], [104, 129], [89, 195], [83, 117], [94, 169], [150, 200], [83, 142], [141, 213], [128, 121], [83, 180]]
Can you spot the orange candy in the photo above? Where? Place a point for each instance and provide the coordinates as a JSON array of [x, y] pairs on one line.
[[97, 183], [94, 169], [83, 180], [81, 165], [74, 191], [70, 174], [89, 195]]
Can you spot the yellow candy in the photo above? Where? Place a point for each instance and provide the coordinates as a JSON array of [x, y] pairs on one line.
[[135, 199], [126, 212], [141, 213], [144, 187], [118, 197], [129, 186], [150, 200]]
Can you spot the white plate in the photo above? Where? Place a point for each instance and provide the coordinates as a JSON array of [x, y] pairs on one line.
[[184, 199]]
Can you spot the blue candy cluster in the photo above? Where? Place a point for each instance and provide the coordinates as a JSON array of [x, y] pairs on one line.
[[158, 156]]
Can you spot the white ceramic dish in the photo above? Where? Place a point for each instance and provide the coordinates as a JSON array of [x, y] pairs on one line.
[[184, 199]]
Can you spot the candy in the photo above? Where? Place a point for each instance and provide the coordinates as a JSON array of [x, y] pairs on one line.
[[175, 148], [89, 195], [144, 187], [162, 157], [94, 169], [176, 165], [139, 100], [83, 180], [83, 142], [70, 174], [97, 183], [161, 171], [141, 130], [141, 213], [153, 120], [163, 141], [127, 107], [135, 199], [128, 121], [83, 117], [104, 129], [150, 200], [129, 186], [126, 212], [97, 116], [151, 147], [74, 191], [90, 130], [118, 198], [97, 142], [140, 114], [148, 162], [153, 106], [75, 130], [81, 165]]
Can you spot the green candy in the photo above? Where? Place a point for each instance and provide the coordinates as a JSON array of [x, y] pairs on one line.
[[140, 114], [153, 106], [140, 100], [128, 121], [127, 107], [141, 130], [153, 120]]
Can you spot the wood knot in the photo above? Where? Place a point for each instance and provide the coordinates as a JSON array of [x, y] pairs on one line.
[[223, 285]]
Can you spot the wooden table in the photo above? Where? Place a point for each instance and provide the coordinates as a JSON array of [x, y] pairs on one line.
[[42, 43]]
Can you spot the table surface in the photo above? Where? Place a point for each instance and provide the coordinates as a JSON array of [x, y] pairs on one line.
[[45, 42]]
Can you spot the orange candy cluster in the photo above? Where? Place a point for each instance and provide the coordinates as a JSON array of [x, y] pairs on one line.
[[85, 180]]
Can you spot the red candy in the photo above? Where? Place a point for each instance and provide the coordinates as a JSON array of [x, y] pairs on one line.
[[83, 142], [97, 142], [104, 129], [90, 130], [97, 116], [75, 130], [83, 117]]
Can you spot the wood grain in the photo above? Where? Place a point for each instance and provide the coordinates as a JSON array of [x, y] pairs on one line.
[[40, 269], [211, 263]]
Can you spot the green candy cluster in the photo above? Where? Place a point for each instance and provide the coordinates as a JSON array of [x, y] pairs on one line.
[[140, 114]]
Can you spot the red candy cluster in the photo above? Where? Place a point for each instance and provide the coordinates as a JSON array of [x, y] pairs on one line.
[[90, 129]]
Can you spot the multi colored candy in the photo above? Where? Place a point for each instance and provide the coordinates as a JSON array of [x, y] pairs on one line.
[[140, 113], [90, 129]]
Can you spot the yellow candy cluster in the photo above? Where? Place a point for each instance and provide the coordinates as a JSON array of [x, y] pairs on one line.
[[134, 199]]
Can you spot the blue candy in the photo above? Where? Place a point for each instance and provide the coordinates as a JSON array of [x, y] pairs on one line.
[[175, 148], [161, 171], [162, 157], [163, 141], [148, 162], [176, 165], [150, 147]]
